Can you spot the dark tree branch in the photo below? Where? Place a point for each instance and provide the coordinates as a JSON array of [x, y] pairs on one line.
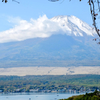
[[7, 1], [94, 14], [15, 1]]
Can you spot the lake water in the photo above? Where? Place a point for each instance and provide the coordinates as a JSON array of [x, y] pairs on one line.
[[35, 96]]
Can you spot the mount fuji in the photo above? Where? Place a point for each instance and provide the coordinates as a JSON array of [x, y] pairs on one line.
[[72, 25], [68, 43]]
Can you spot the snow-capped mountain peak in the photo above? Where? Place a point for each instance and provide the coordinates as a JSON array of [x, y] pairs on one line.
[[44, 27], [72, 25]]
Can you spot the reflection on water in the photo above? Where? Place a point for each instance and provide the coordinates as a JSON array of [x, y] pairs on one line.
[[35, 96]]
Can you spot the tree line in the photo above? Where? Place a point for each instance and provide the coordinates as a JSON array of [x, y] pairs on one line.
[[49, 82]]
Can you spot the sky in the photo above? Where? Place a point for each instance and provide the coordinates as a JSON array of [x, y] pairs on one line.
[[28, 14]]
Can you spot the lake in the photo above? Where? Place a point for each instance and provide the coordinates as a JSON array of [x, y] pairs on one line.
[[35, 96]]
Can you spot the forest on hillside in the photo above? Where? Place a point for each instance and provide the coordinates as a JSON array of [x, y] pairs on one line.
[[88, 96], [57, 83]]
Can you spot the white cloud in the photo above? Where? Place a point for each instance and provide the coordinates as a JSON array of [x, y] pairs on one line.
[[42, 27]]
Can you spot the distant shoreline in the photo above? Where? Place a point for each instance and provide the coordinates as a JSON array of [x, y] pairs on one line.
[[23, 71]]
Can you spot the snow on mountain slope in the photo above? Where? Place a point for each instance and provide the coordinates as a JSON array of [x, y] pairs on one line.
[[44, 27], [72, 25]]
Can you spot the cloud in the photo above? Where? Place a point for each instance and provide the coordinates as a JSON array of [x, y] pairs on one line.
[[44, 27], [22, 29]]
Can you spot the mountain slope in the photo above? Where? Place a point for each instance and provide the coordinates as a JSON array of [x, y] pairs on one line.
[[57, 50], [72, 25], [72, 45], [88, 96]]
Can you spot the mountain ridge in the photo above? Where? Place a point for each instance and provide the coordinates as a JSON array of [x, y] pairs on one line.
[[51, 51], [74, 25], [58, 49], [44, 27]]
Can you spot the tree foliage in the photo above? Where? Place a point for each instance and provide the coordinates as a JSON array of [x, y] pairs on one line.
[[88, 96], [50, 82]]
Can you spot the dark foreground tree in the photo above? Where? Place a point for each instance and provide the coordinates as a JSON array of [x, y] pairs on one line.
[[88, 96]]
